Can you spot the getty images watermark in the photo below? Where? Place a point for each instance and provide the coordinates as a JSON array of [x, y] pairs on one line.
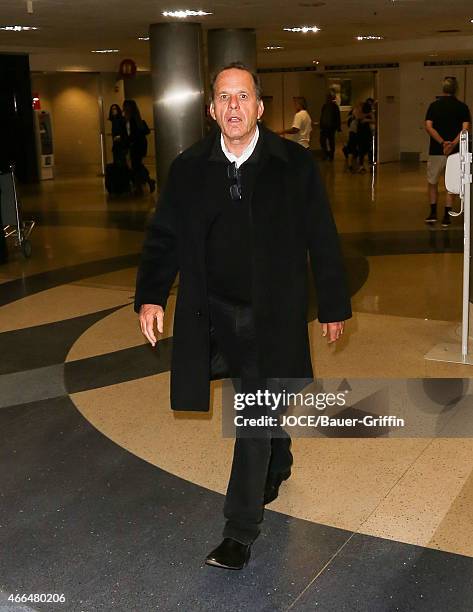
[[350, 408], [320, 401]]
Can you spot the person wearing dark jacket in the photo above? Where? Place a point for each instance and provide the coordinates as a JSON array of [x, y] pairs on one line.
[[329, 124], [238, 214], [137, 131], [119, 135]]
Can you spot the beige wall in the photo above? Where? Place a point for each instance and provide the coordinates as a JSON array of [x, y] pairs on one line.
[[273, 92], [281, 87], [389, 117], [403, 94], [72, 98]]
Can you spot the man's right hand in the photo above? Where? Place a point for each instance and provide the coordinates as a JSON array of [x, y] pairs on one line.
[[448, 147], [148, 314]]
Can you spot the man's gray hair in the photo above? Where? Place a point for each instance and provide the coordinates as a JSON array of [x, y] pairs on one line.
[[450, 86], [238, 66]]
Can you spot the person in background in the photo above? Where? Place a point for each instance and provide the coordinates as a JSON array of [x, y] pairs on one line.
[[329, 124], [444, 122], [364, 135], [137, 130], [301, 124], [350, 150], [119, 135], [370, 108]]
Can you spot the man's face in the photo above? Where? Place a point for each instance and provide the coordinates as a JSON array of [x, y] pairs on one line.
[[235, 107]]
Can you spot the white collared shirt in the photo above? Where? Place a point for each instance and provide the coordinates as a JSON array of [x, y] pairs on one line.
[[246, 153]]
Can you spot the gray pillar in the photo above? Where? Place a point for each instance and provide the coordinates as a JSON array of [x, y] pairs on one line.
[[178, 90], [226, 46]]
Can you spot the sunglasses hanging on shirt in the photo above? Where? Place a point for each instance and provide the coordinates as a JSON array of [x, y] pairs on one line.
[[234, 175]]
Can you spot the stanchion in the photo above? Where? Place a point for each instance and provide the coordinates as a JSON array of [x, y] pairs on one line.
[[458, 180]]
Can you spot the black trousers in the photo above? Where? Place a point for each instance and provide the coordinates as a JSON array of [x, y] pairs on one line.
[[119, 154], [232, 331], [327, 136], [139, 171]]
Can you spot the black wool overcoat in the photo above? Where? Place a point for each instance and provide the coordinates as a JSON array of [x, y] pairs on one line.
[[290, 218]]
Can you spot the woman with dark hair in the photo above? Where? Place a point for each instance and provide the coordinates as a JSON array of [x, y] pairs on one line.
[[119, 135], [137, 130]]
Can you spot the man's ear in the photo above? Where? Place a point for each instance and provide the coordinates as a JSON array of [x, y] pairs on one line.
[[260, 109], [212, 111]]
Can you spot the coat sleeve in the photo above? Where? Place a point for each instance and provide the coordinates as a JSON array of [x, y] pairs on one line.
[[338, 118], [159, 260], [325, 253]]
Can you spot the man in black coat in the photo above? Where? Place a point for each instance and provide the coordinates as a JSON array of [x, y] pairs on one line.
[[329, 124], [237, 216]]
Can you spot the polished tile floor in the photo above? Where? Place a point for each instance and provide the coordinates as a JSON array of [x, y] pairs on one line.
[[112, 499]]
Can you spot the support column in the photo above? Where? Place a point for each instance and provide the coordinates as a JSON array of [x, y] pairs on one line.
[[178, 90], [231, 45]]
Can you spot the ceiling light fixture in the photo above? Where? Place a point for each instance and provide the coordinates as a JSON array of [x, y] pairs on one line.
[[273, 48], [143, 37], [303, 29], [370, 37], [106, 51], [18, 28], [184, 14]]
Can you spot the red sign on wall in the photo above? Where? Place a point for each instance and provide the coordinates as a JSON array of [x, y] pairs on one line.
[[36, 101], [127, 68]]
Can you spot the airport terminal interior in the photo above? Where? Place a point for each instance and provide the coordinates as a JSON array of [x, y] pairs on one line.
[[113, 500]]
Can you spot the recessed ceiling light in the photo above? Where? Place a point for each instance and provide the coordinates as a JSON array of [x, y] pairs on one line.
[[370, 37], [303, 29], [106, 51], [273, 48], [184, 14], [143, 37], [18, 28]]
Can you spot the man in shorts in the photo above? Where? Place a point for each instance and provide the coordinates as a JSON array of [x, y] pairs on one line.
[[301, 124], [444, 122]]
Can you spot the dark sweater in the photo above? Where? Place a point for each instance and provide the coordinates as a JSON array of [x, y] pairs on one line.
[[229, 247]]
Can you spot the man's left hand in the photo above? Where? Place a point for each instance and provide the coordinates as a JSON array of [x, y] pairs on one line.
[[333, 330]]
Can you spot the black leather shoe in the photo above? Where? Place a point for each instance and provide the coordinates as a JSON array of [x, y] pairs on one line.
[[273, 482], [229, 555]]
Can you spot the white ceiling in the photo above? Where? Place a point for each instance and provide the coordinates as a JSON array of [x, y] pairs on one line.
[[410, 27]]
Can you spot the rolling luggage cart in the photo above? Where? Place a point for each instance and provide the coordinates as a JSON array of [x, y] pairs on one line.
[[12, 221]]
